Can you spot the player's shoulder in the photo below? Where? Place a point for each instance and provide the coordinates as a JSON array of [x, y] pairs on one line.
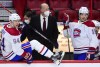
[[11, 31], [95, 21], [89, 23], [75, 21]]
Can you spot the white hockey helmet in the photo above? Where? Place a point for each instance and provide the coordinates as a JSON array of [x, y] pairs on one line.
[[14, 16], [83, 10]]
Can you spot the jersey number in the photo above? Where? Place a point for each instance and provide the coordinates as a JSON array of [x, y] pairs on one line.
[[2, 44]]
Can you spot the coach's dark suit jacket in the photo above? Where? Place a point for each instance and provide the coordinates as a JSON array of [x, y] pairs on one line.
[[51, 33]]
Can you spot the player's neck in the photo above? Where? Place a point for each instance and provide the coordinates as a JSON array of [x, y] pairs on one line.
[[82, 21]]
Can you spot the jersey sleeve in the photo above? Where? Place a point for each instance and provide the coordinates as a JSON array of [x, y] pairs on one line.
[[97, 23], [92, 37], [66, 32]]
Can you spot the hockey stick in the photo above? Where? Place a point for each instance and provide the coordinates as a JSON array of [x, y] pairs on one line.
[[87, 57], [68, 36], [68, 45], [41, 34]]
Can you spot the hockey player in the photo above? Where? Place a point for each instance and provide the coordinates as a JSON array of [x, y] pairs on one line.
[[83, 36], [13, 50], [97, 55]]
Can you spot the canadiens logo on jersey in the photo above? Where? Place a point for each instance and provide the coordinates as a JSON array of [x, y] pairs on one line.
[[76, 32]]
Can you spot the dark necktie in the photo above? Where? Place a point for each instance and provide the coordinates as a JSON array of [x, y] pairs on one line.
[[44, 25]]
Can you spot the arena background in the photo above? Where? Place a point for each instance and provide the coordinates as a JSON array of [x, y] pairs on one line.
[[57, 8]]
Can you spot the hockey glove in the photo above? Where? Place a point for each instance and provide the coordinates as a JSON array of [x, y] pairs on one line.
[[65, 18], [28, 57]]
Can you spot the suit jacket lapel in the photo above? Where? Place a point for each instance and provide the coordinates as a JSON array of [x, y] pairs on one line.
[[48, 22]]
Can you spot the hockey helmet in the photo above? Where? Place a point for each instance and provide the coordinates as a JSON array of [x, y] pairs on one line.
[[14, 16], [83, 10]]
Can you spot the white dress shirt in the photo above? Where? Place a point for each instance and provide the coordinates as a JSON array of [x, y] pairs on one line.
[[42, 20]]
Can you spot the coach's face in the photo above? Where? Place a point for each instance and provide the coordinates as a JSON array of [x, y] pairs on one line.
[[27, 19], [83, 17], [44, 8]]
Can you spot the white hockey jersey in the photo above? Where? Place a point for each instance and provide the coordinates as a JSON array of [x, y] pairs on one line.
[[11, 44], [83, 36]]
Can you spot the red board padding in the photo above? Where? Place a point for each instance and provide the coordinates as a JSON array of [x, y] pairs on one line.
[[48, 61]]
